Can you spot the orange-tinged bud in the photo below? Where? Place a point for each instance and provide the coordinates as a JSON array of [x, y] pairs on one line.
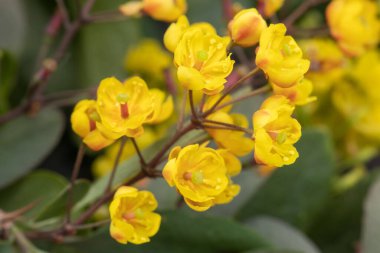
[[85, 122], [165, 10], [246, 27], [269, 7], [132, 8]]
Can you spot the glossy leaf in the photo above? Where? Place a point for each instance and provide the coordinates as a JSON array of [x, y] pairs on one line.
[[26, 141], [295, 193]]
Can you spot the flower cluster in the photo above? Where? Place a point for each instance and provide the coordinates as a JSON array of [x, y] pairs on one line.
[[204, 68]]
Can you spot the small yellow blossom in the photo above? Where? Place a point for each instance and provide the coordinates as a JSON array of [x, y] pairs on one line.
[[132, 216], [280, 57], [202, 61], [234, 141], [354, 24], [125, 107], [163, 107], [269, 7], [275, 132], [176, 30], [199, 173], [327, 62], [298, 94], [246, 27], [103, 164], [357, 96], [85, 122], [147, 58], [165, 10]]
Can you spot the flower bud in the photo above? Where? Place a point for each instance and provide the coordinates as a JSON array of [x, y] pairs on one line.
[[165, 10], [246, 27]]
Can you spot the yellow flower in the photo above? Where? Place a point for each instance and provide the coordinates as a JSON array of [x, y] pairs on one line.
[[269, 7], [85, 122], [125, 107], [298, 94], [357, 96], [132, 216], [234, 141], [246, 27], [162, 108], [275, 132], [327, 62], [103, 164], [280, 57], [202, 61], [176, 30], [147, 58], [165, 10], [233, 166], [354, 24], [199, 173]]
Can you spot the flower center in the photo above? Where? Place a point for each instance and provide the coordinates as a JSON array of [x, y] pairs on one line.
[[93, 118], [281, 138], [123, 98], [202, 55], [195, 177]]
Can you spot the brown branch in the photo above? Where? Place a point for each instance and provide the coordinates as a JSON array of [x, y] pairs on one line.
[[74, 176]]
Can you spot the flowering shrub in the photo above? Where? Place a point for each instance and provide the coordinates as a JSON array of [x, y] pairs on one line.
[[267, 113]]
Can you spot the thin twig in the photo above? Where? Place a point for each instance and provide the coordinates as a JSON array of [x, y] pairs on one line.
[[192, 106], [182, 110], [92, 225], [227, 125], [230, 89], [301, 10], [138, 151], [74, 176], [116, 163], [62, 8], [241, 98]]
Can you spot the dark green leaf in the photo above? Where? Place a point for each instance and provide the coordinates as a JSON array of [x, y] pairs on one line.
[[59, 205], [183, 232], [337, 227], [282, 235], [26, 141], [40, 187], [371, 222], [7, 78], [295, 193]]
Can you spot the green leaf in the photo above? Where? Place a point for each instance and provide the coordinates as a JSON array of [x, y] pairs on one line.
[[371, 222], [183, 232], [26, 141], [59, 205], [7, 78], [6, 247], [124, 172], [337, 227], [40, 187], [249, 182], [295, 193], [12, 25], [282, 235]]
